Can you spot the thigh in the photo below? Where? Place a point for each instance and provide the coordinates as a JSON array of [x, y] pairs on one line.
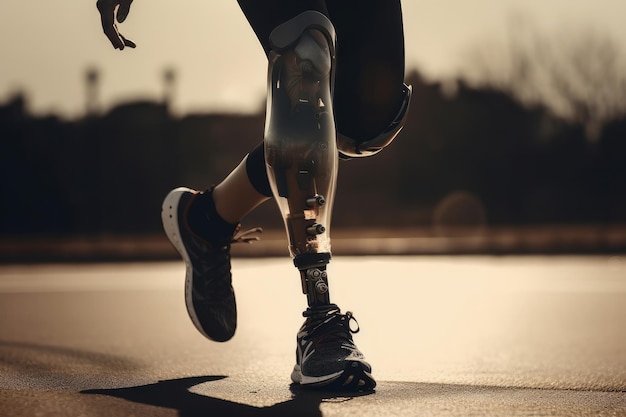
[[370, 65]]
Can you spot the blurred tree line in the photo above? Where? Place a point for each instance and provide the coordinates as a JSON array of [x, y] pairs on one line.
[[467, 156]]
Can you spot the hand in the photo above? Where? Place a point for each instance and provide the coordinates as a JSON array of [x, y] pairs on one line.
[[107, 14]]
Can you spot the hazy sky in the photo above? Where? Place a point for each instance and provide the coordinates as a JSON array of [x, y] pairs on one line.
[[47, 46]]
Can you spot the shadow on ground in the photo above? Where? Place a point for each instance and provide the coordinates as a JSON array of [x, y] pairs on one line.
[[175, 394]]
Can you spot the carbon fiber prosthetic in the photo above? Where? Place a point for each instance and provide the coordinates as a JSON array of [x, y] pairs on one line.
[[300, 142]]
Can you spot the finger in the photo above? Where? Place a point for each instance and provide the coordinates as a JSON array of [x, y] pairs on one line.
[[123, 10], [128, 42], [114, 36], [106, 9]]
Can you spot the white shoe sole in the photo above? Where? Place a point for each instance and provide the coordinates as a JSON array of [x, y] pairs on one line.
[[169, 217]]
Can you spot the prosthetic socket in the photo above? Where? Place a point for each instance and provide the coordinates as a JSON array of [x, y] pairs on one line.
[[300, 142]]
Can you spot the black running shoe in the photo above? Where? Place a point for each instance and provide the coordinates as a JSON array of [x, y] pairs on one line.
[[326, 356], [209, 294]]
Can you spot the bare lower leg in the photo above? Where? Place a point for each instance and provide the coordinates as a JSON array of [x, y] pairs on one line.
[[235, 196]]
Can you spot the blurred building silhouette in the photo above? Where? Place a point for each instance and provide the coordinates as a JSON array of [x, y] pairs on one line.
[[467, 156], [92, 91], [169, 86]]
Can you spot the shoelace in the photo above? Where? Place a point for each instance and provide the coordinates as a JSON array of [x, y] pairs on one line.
[[219, 264], [221, 268], [335, 327], [245, 236]]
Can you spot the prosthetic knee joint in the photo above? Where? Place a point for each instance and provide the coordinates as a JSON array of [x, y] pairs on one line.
[[300, 142], [352, 148]]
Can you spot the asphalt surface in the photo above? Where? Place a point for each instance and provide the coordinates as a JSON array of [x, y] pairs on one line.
[[447, 336]]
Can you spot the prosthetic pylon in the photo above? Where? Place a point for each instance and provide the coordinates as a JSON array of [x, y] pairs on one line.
[[300, 142]]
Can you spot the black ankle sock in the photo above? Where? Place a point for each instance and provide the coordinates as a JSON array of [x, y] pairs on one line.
[[204, 220]]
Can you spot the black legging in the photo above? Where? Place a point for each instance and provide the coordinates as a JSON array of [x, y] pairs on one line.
[[369, 68]]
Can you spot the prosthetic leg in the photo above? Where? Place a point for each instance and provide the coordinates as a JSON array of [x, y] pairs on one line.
[[300, 143], [301, 157]]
